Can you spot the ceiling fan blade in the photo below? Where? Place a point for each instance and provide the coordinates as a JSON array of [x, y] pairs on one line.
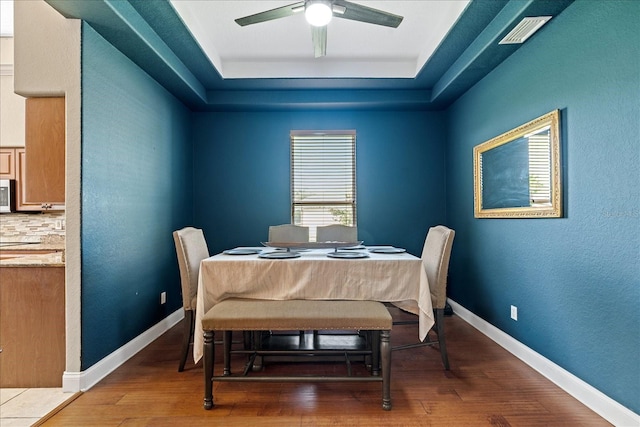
[[279, 12], [356, 12], [319, 38]]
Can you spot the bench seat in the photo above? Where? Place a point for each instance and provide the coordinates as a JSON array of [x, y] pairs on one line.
[[286, 315]]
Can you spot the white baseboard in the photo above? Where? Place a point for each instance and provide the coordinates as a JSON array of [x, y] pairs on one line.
[[597, 401], [83, 381]]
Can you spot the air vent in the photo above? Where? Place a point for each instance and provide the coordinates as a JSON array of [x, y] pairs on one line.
[[524, 29]]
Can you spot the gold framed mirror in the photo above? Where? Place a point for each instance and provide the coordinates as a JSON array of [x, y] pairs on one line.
[[518, 174]]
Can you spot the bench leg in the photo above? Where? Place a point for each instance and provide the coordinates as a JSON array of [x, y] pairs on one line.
[[385, 354], [209, 354]]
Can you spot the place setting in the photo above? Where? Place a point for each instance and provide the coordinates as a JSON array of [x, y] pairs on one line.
[[242, 251], [274, 253], [386, 250], [347, 254], [338, 249], [280, 254]]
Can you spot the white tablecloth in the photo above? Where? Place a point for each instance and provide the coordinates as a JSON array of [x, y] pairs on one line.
[[381, 277]]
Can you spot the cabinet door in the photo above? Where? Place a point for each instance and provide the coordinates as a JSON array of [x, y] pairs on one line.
[[32, 327], [21, 203], [45, 151], [7, 163]]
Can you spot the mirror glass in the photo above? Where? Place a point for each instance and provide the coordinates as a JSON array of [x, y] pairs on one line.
[[517, 174]]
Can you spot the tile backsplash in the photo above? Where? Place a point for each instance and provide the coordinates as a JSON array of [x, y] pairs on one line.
[[31, 227]]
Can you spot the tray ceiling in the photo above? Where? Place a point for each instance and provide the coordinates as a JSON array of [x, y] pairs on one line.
[[282, 48]]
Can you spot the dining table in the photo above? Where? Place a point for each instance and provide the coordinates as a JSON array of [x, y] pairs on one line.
[[377, 273]]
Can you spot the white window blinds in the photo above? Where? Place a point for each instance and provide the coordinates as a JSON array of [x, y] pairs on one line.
[[323, 178], [540, 167]]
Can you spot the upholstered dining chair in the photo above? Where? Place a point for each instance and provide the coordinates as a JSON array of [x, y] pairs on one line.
[[435, 259], [288, 233], [191, 248], [336, 233]]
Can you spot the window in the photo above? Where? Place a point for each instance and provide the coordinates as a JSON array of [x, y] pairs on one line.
[[540, 167], [323, 178]]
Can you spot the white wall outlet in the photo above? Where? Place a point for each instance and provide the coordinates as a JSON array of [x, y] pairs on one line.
[[514, 312], [163, 298], [58, 224]]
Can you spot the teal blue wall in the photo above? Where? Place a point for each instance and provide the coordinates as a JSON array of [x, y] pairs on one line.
[[575, 280], [136, 189], [242, 173], [150, 166]]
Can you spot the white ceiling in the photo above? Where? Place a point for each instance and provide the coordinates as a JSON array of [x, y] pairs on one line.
[[282, 48]]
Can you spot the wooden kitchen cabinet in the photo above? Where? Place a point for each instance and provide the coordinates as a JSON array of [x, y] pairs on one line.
[[39, 167], [22, 203], [13, 166], [32, 327], [7, 163], [42, 169]]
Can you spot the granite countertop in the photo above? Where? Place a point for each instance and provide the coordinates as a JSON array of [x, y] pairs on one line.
[[19, 246], [54, 259]]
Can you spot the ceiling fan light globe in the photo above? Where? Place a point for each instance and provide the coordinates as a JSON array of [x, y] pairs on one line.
[[318, 14]]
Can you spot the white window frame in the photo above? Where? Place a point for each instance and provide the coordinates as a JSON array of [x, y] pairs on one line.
[[323, 180]]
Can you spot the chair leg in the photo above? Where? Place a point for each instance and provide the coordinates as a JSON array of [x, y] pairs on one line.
[[209, 361], [187, 337], [247, 339], [441, 339], [227, 352], [374, 342], [439, 329]]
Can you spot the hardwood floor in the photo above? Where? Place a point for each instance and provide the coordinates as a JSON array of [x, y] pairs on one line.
[[487, 386]]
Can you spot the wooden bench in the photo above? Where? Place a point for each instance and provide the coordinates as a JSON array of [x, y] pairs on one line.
[[295, 315]]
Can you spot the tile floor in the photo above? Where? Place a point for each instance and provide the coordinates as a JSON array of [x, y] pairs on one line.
[[22, 407]]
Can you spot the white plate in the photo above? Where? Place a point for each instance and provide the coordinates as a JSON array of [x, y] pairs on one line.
[[279, 255], [242, 251], [347, 255], [387, 250]]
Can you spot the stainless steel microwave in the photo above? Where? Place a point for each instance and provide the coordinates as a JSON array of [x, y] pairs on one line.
[[7, 195]]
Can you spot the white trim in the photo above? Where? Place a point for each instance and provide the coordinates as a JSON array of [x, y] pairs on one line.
[[83, 381], [592, 398], [6, 69]]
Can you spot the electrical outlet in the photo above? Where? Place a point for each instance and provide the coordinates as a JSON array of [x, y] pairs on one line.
[[514, 313], [58, 224], [163, 298]]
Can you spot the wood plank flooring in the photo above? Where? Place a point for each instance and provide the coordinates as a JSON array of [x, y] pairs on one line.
[[487, 386]]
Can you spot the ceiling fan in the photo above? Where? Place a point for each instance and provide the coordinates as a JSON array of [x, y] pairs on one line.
[[319, 12]]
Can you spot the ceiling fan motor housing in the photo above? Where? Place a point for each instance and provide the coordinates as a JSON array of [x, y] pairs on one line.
[[318, 12]]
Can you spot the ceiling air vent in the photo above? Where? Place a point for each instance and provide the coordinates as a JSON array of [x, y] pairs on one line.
[[524, 29]]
